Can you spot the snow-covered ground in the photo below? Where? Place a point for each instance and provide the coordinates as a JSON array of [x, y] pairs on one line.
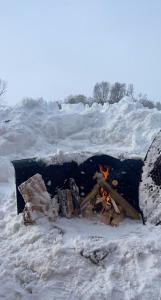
[[75, 259]]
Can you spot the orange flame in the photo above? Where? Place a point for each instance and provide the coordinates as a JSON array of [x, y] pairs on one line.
[[104, 194], [105, 172]]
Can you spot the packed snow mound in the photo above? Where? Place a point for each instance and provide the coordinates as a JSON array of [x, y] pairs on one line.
[[44, 129]]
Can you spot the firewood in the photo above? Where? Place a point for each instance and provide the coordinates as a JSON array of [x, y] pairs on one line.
[[106, 205], [99, 199], [70, 204], [27, 217], [87, 212], [37, 200], [34, 191], [110, 217], [106, 216], [62, 198], [75, 195], [130, 211], [90, 196], [117, 218], [115, 206]]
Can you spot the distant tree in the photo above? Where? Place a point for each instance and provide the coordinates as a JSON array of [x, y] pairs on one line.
[[130, 90], [142, 97], [101, 92], [145, 102], [2, 87], [90, 101], [118, 91], [76, 99], [158, 105], [59, 104], [29, 102]]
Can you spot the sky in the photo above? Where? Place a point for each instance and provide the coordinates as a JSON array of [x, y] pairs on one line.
[[55, 48]]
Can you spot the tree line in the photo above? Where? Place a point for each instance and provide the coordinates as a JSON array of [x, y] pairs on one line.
[[104, 92]]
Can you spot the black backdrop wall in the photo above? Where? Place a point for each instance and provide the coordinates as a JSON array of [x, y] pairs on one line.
[[127, 172]]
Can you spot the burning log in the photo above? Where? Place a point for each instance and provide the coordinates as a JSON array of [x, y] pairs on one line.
[[114, 206], [130, 211]]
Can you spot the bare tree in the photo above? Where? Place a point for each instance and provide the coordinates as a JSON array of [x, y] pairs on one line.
[[74, 99], [118, 91], [130, 90], [2, 87], [158, 105], [147, 103], [101, 92]]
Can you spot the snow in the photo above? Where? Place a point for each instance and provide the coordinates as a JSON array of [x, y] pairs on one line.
[[77, 258], [125, 129], [150, 196]]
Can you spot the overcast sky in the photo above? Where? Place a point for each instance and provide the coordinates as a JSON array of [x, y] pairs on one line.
[[55, 48]]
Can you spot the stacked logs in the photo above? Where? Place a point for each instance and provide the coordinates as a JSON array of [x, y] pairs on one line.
[[113, 206], [103, 201]]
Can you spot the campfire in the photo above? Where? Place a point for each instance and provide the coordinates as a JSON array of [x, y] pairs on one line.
[[100, 202], [103, 203]]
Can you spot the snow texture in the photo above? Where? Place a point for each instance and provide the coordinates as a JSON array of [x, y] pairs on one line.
[[76, 258], [150, 192]]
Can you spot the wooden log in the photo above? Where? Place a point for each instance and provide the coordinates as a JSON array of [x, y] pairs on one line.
[[75, 195], [70, 207], [87, 212], [115, 206], [34, 192], [90, 196], [130, 211], [62, 198]]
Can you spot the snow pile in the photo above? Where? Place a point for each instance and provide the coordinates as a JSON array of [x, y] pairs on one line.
[[75, 259], [42, 129]]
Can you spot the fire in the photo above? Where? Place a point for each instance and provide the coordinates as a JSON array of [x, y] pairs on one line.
[[103, 193], [105, 172], [101, 200]]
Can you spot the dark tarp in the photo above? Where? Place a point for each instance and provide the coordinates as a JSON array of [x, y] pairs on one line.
[[127, 172]]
